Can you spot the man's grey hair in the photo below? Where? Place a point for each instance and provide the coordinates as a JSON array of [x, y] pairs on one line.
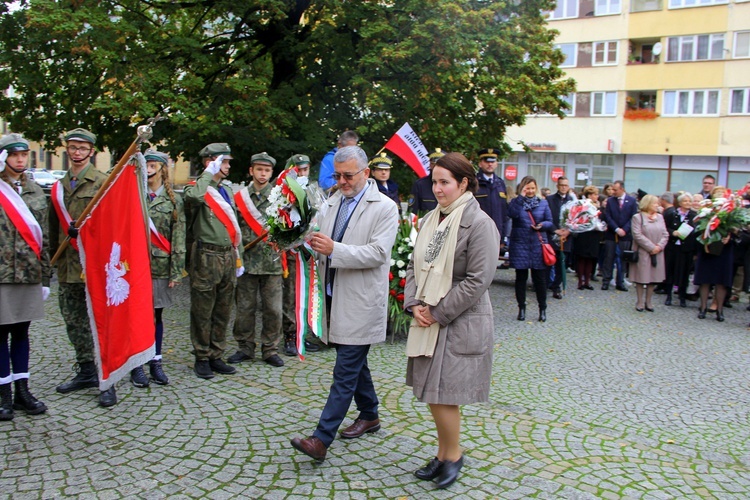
[[349, 136], [668, 197], [351, 152], [684, 196]]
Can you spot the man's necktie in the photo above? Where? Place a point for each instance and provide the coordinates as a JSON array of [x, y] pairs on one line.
[[224, 194], [342, 219], [622, 200], [73, 182], [152, 196]]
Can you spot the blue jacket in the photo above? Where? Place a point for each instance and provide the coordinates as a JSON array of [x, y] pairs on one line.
[[390, 190], [525, 248], [492, 198], [616, 217], [422, 199], [325, 176]]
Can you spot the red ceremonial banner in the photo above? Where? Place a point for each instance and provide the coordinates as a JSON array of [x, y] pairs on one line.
[[114, 254]]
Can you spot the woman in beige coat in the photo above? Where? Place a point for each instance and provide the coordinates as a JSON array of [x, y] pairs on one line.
[[650, 236], [451, 337]]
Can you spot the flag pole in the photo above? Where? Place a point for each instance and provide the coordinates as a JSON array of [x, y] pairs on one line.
[[144, 133]]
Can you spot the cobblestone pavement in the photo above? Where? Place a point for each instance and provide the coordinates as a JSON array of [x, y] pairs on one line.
[[599, 402]]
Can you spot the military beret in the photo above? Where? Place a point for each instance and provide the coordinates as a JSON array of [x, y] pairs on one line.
[[381, 161], [488, 154], [79, 134], [153, 155], [436, 155], [216, 149], [263, 158], [299, 159], [13, 142]]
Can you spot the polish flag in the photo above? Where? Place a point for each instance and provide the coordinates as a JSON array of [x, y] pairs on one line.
[[407, 145], [114, 253]]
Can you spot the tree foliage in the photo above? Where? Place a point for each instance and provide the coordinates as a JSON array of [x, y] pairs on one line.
[[281, 76]]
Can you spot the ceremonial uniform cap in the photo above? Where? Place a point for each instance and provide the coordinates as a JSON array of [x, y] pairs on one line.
[[381, 161], [300, 159], [263, 158], [13, 142], [216, 149], [153, 155], [488, 154], [436, 155], [79, 134]]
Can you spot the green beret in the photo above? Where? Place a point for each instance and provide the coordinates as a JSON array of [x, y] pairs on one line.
[[488, 154], [436, 155], [263, 158], [299, 159], [216, 149], [153, 155], [13, 142], [381, 161], [80, 134]]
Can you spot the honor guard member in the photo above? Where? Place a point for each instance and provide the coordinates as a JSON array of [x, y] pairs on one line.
[[263, 274], [24, 273], [215, 260], [491, 193], [421, 199], [380, 168], [70, 196], [167, 254]]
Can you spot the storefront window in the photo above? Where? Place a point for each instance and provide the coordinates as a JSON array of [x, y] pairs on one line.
[[688, 180], [651, 181]]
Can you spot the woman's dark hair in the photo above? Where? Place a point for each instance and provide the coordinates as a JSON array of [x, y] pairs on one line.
[[526, 180], [460, 168]]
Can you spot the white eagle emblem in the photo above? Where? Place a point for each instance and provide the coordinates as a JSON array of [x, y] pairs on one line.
[[118, 288]]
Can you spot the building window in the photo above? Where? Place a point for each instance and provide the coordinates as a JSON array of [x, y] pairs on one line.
[[603, 103], [695, 47], [740, 103], [645, 5], [605, 53], [565, 9], [571, 100], [742, 44], [569, 50], [42, 155], [691, 103], [679, 4], [605, 7]]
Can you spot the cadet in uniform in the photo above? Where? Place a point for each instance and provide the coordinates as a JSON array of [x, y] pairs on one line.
[[263, 273], [491, 193], [24, 273], [422, 199], [215, 260], [76, 190], [380, 169]]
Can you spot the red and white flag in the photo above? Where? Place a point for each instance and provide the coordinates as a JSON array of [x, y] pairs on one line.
[[114, 252], [407, 145]]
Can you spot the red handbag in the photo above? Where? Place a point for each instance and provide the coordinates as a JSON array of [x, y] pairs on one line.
[[548, 253]]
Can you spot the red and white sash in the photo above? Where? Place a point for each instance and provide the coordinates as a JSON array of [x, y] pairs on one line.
[[225, 214], [21, 217], [250, 212], [57, 195], [158, 239]]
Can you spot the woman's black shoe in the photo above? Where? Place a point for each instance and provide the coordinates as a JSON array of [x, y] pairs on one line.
[[668, 300], [719, 315], [683, 303], [429, 471], [449, 473], [639, 309], [543, 315], [650, 309], [701, 314], [521, 314]]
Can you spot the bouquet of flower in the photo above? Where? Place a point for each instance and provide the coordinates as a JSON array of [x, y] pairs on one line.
[[293, 209], [400, 257], [580, 216], [721, 216]]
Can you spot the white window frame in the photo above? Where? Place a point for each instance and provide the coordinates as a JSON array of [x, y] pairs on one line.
[[566, 63], [608, 100], [691, 43], [570, 99], [745, 93], [563, 6], [744, 34], [606, 52], [607, 7], [691, 98], [686, 4]]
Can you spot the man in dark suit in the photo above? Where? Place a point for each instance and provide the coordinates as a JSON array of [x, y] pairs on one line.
[[621, 207], [491, 191], [556, 202]]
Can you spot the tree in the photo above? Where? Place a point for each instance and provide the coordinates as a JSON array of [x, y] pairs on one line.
[[280, 76]]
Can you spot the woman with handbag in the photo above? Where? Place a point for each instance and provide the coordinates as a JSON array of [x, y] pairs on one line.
[[532, 220], [649, 239]]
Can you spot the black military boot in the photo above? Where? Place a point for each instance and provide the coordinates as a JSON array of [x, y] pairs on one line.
[[138, 378], [86, 377], [26, 401], [157, 373], [6, 402]]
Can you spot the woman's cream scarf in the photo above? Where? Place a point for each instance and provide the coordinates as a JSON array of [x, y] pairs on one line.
[[434, 253]]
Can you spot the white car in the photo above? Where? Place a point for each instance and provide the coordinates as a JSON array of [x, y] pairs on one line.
[[58, 174], [43, 179]]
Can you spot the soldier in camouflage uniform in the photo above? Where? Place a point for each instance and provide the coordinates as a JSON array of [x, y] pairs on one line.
[[168, 216], [215, 261], [79, 186], [24, 273], [263, 274]]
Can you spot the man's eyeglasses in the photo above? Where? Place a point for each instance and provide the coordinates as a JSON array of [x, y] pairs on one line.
[[73, 149], [347, 175]]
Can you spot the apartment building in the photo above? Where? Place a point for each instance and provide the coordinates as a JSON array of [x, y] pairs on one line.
[[663, 97]]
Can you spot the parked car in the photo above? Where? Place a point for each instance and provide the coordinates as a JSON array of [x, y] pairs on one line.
[[43, 179], [58, 174]]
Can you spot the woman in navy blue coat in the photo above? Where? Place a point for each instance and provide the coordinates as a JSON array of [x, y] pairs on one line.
[[525, 247]]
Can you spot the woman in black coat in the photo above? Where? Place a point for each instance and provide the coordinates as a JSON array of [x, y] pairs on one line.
[[682, 250]]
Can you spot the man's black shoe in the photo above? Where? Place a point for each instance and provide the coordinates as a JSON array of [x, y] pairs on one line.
[[622, 288], [219, 366], [138, 377], [556, 294], [311, 346], [290, 349], [274, 360], [203, 369], [605, 286], [239, 357], [108, 398], [85, 378]]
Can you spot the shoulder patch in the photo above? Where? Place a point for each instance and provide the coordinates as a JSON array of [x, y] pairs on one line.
[[411, 200], [503, 195]]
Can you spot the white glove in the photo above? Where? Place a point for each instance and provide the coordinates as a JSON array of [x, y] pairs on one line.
[[215, 165], [45, 293], [240, 271], [3, 156]]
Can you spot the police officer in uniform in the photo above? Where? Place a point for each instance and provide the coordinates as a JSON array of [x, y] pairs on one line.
[[79, 185], [422, 199], [380, 169], [215, 261], [491, 193]]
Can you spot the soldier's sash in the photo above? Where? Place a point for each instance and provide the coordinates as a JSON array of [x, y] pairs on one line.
[[158, 239], [223, 211], [21, 217], [57, 196], [250, 212]]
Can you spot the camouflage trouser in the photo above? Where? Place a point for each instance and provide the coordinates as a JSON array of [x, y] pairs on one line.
[[212, 282], [289, 326], [270, 288], [74, 311]]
